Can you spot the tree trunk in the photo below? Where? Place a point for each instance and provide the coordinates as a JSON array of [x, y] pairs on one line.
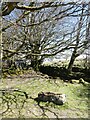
[[74, 54], [35, 64], [73, 57], [35, 59]]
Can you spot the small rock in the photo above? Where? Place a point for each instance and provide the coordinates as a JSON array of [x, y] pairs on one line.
[[81, 80]]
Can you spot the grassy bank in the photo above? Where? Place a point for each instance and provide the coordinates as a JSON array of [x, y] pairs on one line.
[[32, 83]]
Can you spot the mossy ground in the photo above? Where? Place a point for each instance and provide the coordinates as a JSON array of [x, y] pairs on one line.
[[77, 105]]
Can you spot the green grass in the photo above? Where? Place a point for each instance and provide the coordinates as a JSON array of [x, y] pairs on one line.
[[76, 105]]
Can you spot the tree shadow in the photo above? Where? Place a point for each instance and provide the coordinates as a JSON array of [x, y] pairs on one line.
[[62, 72]]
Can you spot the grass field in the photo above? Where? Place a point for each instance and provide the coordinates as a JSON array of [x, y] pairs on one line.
[[76, 106]]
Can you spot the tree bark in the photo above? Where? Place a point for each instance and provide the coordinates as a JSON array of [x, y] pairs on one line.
[[73, 57], [35, 59]]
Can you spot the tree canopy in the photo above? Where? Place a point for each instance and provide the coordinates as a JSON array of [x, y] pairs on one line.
[[38, 30]]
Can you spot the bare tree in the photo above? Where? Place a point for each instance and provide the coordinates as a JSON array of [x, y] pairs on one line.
[[81, 45], [35, 35]]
